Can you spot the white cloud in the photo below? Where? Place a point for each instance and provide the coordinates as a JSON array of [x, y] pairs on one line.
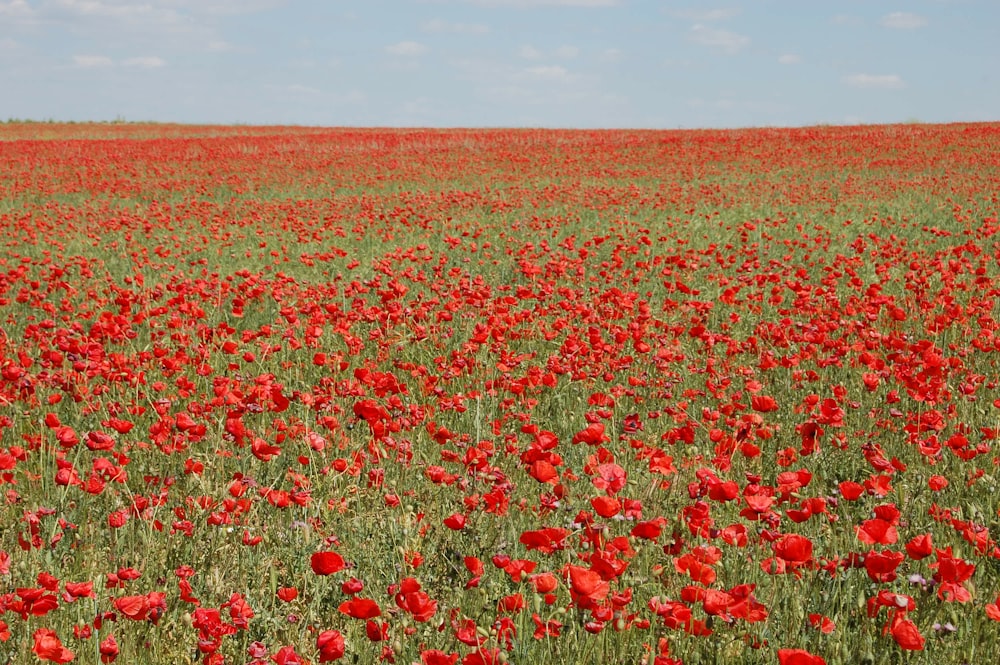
[[567, 52], [8, 44], [225, 7], [529, 52], [165, 26], [439, 25], [721, 40], [903, 21], [789, 59], [406, 49], [15, 8], [92, 61], [146, 62], [884, 81], [702, 15], [108, 9], [523, 92], [126, 8]]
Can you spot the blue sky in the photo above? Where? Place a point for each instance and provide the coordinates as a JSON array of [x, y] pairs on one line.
[[510, 63]]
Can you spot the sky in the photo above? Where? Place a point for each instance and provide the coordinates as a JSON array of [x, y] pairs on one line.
[[501, 63]]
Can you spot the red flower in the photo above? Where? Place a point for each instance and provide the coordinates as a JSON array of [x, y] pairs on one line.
[[586, 586], [793, 548], [881, 566], [326, 563], [543, 471], [133, 607], [851, 490], [937, 483], [80, 589], [415, 601], [455, 522], [993, 610], [331, 646], [48, 647], [763, 403], [606, 506], [437, 657], [287, 656], [877, 532], [920, 547], [377, 632], [544, 582], [798, 657], [907, 635], [109, 649], [546, 540], [822, 623], [360, 608]]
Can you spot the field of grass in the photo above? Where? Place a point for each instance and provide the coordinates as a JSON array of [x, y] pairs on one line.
[[289, 395]]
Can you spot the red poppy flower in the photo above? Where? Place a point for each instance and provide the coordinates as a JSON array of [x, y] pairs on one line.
[[876, 532], [287, 656], [415, 601], [133, 607], [907, 635], [108, 649], [544, 582], [455, 522], [993, 609], [586, 586], [763, 403], [331, 646], [881, 566], [606, 506], [546, 540], [793, 548], [937, 483], [376, 632], [437, 657], [326, 563], [822, 623], [48, 647], [851, 490], [360, 608], [735, 534], [798, 657]]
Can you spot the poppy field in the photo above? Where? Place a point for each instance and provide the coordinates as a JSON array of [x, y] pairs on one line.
[[301, 395]]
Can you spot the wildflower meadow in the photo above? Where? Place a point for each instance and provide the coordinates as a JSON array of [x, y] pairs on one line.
[[300, 395]]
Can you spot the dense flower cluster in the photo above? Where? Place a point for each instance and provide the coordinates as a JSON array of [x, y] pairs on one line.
[[278, 395]]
